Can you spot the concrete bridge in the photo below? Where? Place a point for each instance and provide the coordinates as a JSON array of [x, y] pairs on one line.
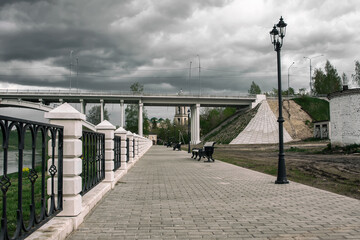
[[40, 99]]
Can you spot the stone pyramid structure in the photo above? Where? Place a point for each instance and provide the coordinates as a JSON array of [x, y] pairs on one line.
[[263, 128]]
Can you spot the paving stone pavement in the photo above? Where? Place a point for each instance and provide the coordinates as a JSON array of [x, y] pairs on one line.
[[168, 195]]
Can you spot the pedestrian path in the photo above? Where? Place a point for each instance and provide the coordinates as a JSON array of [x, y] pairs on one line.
[[263, 128], [168, 195]]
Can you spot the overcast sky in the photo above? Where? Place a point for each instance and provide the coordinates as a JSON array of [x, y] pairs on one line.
[[116, 43]]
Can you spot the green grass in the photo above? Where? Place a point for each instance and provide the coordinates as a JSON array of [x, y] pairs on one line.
[[318, 109], [12, 198], [295, 149]]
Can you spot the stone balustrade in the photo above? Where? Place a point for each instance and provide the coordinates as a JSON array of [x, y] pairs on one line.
[[76, 206]]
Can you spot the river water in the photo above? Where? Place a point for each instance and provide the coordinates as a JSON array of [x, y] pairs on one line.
[[13, 157]]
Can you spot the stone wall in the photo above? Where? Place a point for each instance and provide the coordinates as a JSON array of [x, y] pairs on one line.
[[345, 117]]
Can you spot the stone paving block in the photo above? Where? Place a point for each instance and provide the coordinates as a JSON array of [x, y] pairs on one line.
[[168, 195]]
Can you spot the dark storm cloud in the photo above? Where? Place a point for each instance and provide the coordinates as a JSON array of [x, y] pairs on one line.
[[118, 43]]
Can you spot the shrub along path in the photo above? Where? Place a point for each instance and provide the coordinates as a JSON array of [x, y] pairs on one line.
[[168, 195]]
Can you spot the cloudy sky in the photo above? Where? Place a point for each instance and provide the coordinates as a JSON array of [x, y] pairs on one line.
[[108, 45]]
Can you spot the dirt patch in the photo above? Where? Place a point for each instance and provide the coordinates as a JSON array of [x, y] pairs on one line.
[[338, 173], [297, 121]]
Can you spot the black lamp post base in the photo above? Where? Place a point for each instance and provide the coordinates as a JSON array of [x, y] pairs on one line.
[[282, 181]]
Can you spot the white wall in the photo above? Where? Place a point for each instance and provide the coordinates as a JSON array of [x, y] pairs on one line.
[[345, 119]]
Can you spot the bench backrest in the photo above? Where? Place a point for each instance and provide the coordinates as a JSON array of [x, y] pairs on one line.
[[209, 144]]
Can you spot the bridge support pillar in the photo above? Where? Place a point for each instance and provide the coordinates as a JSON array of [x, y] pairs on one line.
[[102, 109], [195, 124], [140, 125], [82, 106], [122, 114]]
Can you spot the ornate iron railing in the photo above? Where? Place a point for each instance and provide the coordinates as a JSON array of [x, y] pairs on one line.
[[117, 152], [26, 175], [127, 150], [93, 160], [134, 148]]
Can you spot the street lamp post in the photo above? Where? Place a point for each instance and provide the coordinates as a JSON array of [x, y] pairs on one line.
[[189, 133], [311, 69], [289, 78], [277, 35]]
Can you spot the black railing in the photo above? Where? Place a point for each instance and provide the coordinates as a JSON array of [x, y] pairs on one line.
[[26, 174], [93, 160], [127, 150], [117, 152]]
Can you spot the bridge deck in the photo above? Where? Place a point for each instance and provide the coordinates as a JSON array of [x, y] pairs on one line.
[[167, 195]]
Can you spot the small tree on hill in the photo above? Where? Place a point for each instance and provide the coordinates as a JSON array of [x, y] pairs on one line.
[[254, 88], [356, 76], [328, 82]]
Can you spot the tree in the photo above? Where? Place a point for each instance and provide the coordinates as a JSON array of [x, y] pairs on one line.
[[254, 89], [344, 79], [356, 76], [132, 112], [94, 115], [328, 82]]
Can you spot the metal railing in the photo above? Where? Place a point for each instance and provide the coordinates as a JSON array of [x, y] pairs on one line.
[[26, 173], [117, 152], [93, 160]]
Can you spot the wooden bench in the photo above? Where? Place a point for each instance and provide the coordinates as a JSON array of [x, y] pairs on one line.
[[206, 151]]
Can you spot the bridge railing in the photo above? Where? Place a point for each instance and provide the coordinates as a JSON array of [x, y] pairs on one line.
[[31, 185]]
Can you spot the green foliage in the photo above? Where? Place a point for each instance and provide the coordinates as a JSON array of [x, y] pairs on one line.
[[212, 117], [137, 88], [349, 149], [318, 109], [94, 115], [171, 132], [328, 82], [356, 76], [254, 88], [132, 112]]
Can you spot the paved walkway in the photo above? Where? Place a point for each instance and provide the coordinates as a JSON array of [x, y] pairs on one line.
[[167, 195]]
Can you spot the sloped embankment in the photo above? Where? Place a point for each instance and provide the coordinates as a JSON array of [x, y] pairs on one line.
[[229, 130], [297, 121]]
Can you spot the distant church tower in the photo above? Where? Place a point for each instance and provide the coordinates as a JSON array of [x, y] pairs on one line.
[[181, 117]]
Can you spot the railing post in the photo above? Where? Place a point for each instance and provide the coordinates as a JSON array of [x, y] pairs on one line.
[[68, 117], [108, 129], [130, 136], [136, 147], [121, 132]]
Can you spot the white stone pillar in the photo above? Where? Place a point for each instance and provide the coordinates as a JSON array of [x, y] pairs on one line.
[[121, 132], [197, 123], [82, 106], [67, 116], [108, 129], [140, 127], [122, 114], [102, 109], [130, 136], [192, 124]]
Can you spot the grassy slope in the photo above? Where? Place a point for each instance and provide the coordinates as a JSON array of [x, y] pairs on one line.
[[318, 109], [231, 130]]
